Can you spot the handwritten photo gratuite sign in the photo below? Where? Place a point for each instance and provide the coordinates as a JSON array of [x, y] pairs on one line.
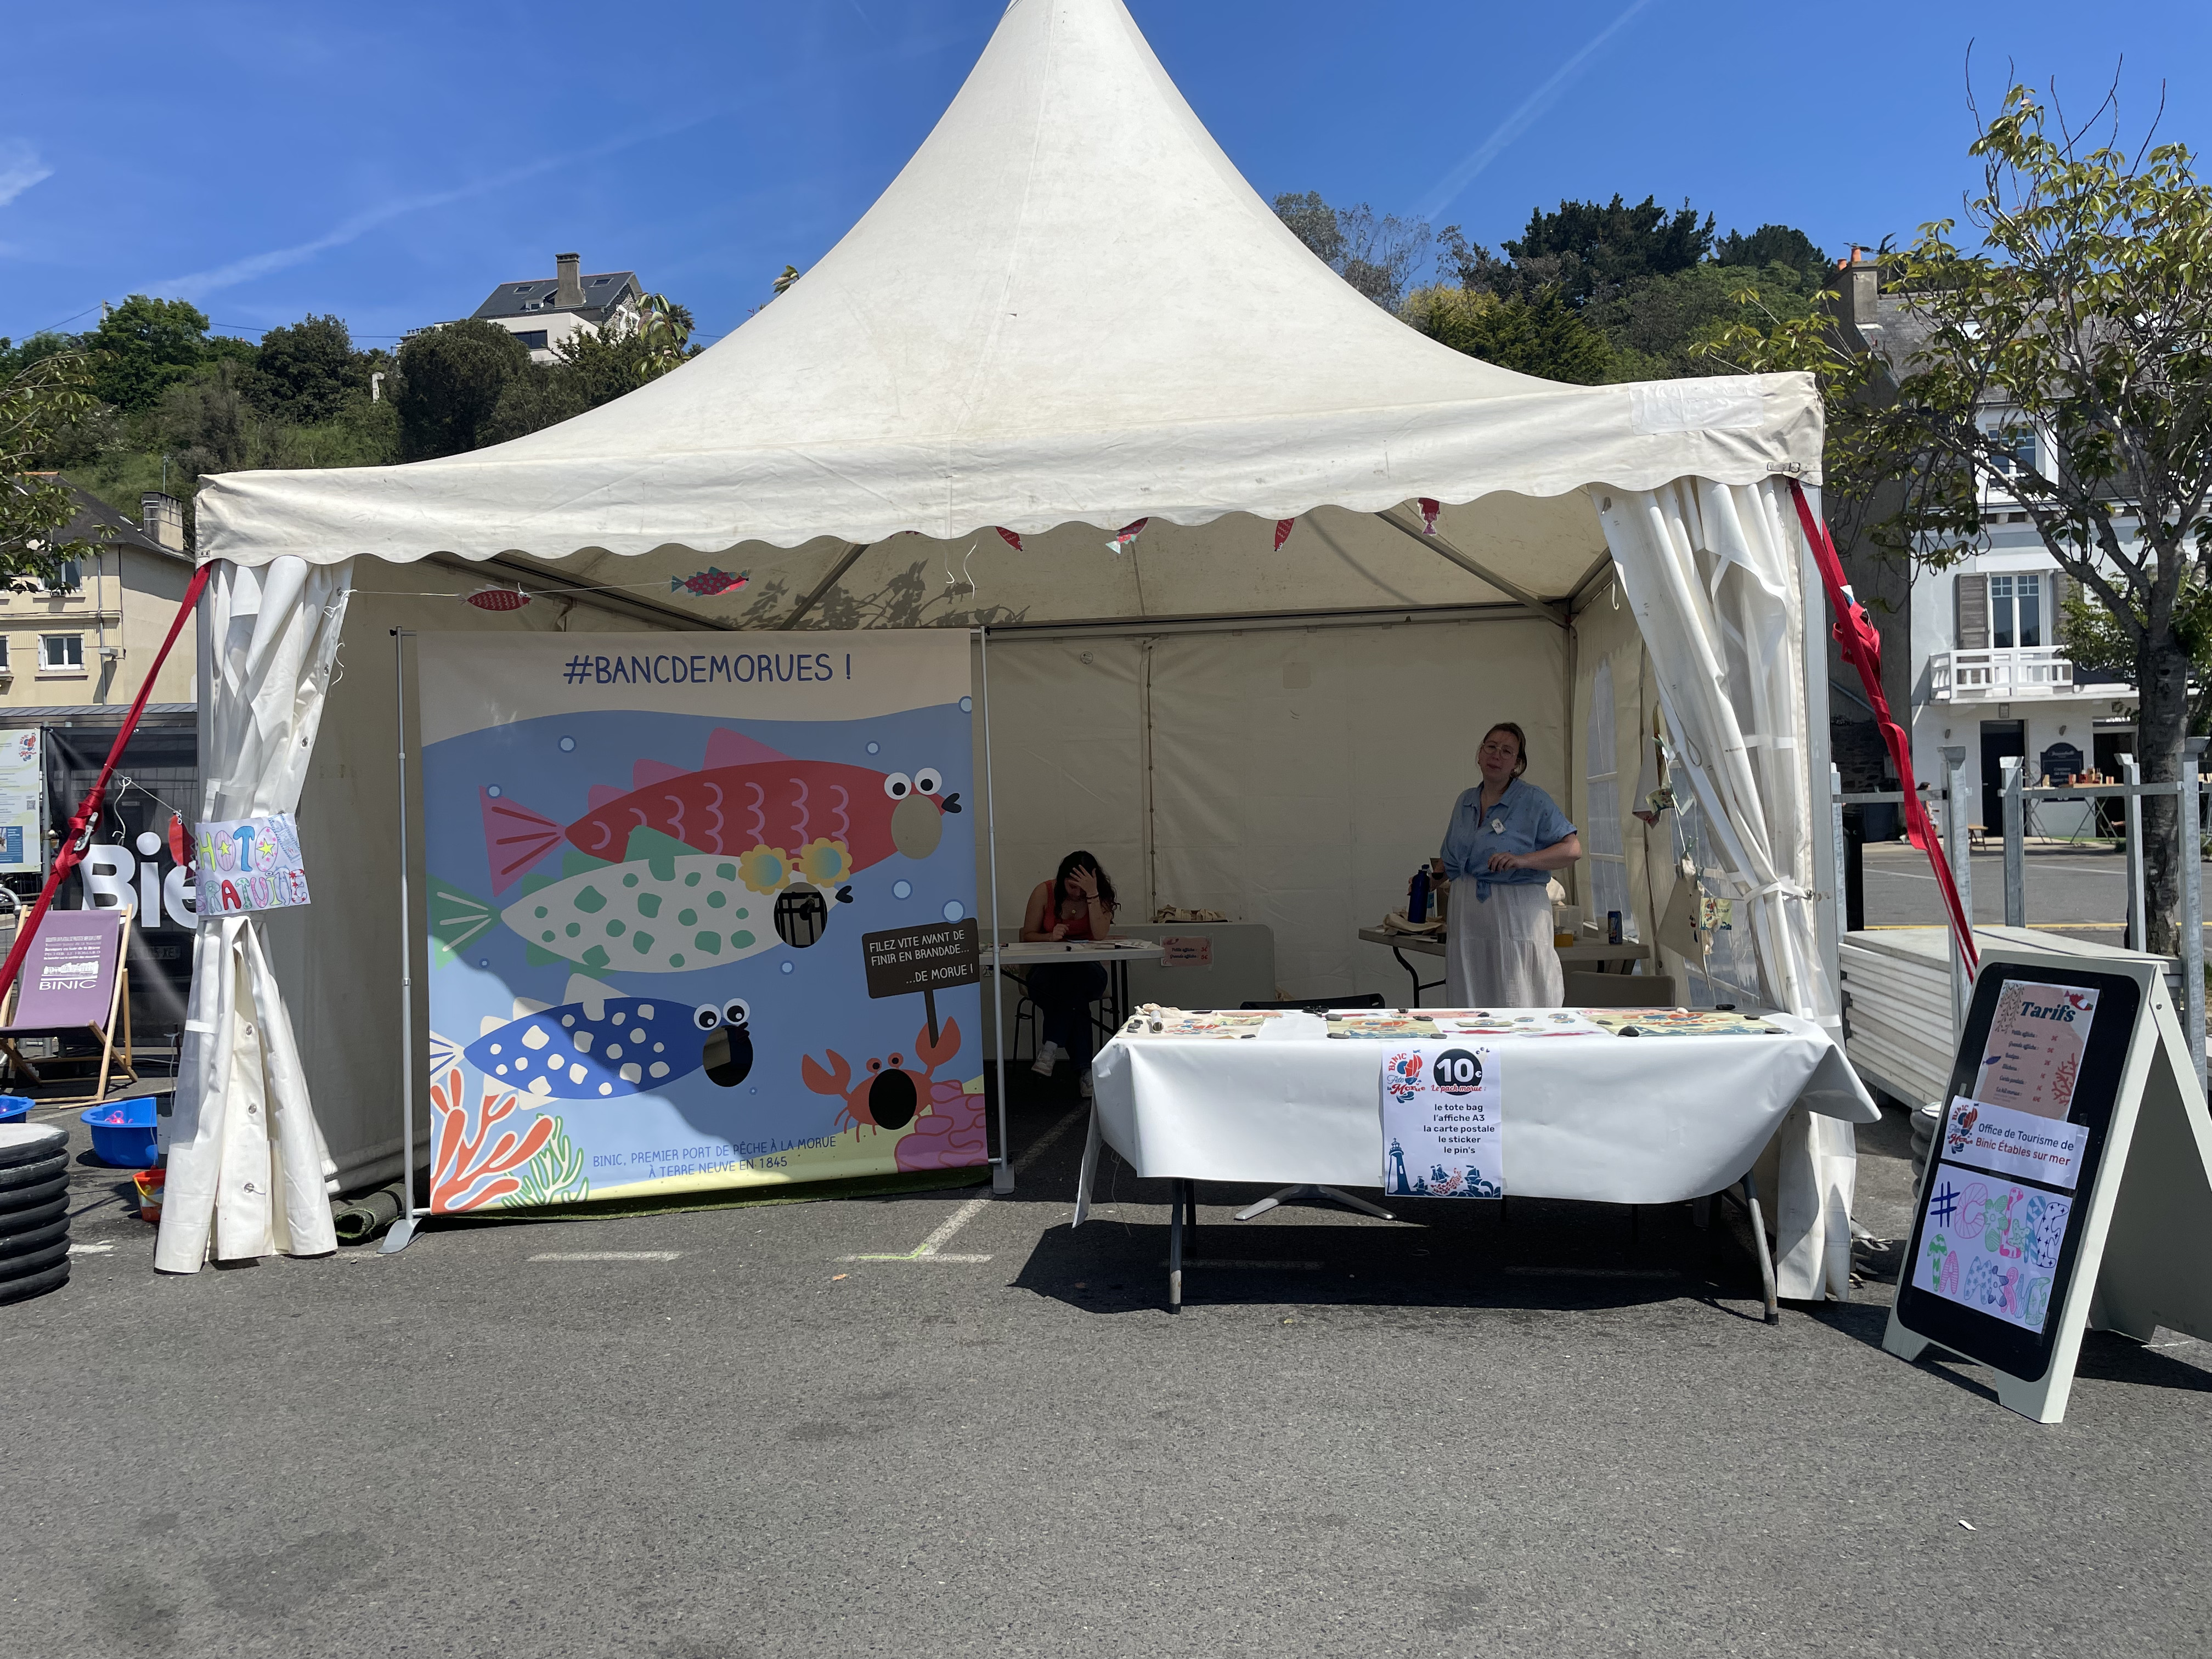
[[248, 864]]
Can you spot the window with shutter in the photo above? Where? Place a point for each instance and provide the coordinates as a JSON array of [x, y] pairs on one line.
[[1973, 594]]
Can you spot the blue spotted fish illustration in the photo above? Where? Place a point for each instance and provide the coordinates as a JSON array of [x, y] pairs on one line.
[[597, 1046]]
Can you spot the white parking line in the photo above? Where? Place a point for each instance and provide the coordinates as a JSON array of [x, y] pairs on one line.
[[606, 1255], [933, 1248]]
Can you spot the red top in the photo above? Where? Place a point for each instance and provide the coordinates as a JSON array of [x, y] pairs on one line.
[[1078, 926]]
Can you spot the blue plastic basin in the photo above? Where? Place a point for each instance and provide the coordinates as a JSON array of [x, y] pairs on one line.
[[123, 1132], [14, 1109]]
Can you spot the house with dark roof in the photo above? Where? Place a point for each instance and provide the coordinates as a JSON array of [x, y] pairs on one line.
[[88, 639], [542, 313]]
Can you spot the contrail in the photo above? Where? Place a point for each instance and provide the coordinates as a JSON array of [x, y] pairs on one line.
[[20, 168], [199, 282], [1449, 187], [260, 265]]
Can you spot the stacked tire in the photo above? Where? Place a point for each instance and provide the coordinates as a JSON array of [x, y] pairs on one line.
[[1926, 1120], [33, 1210]]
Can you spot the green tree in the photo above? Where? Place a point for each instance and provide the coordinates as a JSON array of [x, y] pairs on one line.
[[1582, 249], [1542, 335], [143, 346], [37, 399], [2083, 318], [589, 369], [1379, 254], [663, 336], [308, 373], [1660, 327], [1776, 245], [450, 381]]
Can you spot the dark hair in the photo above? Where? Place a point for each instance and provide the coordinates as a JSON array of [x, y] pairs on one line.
[[1520, 743], [1075, 861]]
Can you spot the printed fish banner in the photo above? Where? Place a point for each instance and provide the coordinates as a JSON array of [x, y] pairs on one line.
[[648, 879]]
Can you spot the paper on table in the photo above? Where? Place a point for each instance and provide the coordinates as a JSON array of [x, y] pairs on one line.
[[1681, 1022], [1523, 1022]]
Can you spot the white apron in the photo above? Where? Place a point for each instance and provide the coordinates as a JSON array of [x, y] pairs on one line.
[[1498, 951]]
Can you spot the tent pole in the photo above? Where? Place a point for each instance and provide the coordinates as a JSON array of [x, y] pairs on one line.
[[403, 1231], [822, 586], [1549, 613], [1002, 1174]]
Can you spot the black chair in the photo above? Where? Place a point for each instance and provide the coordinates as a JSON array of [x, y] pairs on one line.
[[1318, 1005]]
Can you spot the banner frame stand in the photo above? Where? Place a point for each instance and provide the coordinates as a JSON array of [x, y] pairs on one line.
[[1002, 1166], [403, 1231]]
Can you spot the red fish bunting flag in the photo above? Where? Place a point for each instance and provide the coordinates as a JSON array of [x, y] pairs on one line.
[[1125, 537], [1008, 536], [1283, 532], [1429, 511], [709, 582], [498, 598]]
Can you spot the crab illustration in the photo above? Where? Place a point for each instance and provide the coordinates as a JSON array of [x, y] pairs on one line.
[[890, 1094]]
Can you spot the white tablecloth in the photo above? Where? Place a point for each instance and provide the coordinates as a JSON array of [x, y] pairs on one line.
[[1616, 1119]]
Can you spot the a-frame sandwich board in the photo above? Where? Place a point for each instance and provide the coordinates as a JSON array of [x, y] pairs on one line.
[[2117, 1231]]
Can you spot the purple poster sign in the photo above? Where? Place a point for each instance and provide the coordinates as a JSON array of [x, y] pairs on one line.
[[68, 976]]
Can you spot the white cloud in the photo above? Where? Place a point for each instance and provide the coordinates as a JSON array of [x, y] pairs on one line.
[[1523, 118], [20, 168]]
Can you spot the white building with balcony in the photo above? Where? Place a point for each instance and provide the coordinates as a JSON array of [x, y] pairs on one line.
[[1972, 655], [1990, 675]]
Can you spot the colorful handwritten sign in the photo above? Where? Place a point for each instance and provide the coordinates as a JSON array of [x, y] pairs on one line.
[[1990, 1244], [248, 864]]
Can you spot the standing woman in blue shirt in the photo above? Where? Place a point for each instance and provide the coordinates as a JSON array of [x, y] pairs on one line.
[[1504, 839]]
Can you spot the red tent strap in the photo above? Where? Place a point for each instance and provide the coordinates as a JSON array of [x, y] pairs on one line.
[[87, 815], [1862, 649]]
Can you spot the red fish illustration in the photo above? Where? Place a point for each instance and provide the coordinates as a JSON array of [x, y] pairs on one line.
[[784, 820], [709, 582]]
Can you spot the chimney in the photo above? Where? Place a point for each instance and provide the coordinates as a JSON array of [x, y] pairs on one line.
[[1859, 278], [162, 518], [568, 293]]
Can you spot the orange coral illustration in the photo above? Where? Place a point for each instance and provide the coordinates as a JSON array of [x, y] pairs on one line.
[[470, 1172]]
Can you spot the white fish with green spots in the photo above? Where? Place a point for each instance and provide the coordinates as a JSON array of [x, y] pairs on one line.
[[666, 908]]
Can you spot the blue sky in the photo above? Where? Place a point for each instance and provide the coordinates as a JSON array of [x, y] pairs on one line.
[[391, 163]]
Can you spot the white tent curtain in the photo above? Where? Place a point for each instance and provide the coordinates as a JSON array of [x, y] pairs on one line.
[[1710, 570], [247, 1165]]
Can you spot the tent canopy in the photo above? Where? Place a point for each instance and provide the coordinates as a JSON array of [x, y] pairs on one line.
[[1068, 308]]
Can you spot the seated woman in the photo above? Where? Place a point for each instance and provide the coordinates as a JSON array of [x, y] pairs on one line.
[[1077, 904]]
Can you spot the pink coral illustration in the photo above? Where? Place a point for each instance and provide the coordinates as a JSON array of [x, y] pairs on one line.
[[950, 1135], [470, 1172]]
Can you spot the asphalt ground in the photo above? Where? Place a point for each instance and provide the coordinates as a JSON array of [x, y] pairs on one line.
[[2078, 890], [1527, 1429]]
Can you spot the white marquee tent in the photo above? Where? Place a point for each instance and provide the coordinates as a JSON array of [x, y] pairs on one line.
[[1067, 314]]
